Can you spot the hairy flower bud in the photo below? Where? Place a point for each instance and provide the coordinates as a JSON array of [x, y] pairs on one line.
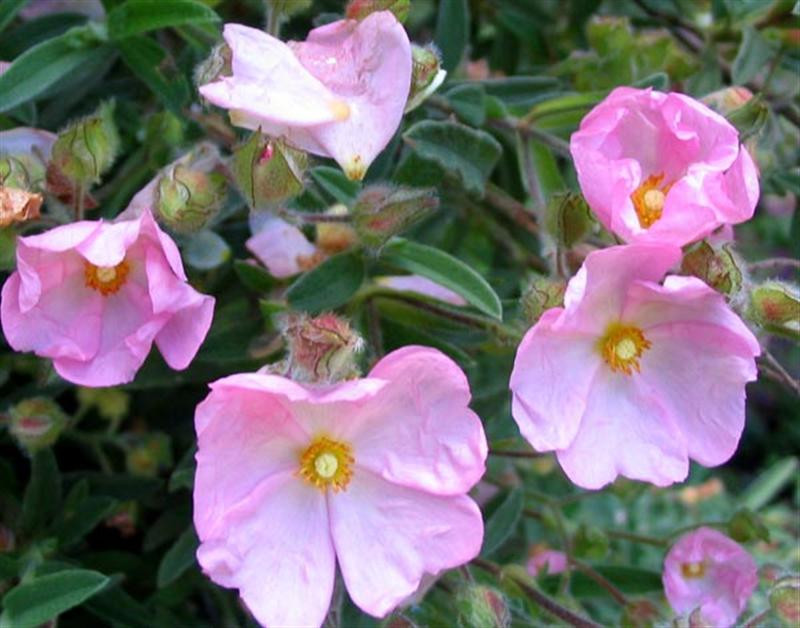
[[426, 74], [321, 349], [784, 599], [540, 295], [147, 454], [746, 526], [187, 198], [267, 171], [719, 267], [382, 211], [13, 173], [774, 303], [334, 237], [359, 9], [479, 605], [567, 218], [639, 614], [87, 148], [36, 423], [110, 403], [218, 63]]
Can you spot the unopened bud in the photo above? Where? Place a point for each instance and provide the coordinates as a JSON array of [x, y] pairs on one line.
[[719, 267], [13, 173], [382, 211], [567, 218], [540, 295], [480, 605], [750, 118], [267, 171], [147, 454], [590, 542], [639, 614], [111, 403], [125, 519], [335, 237], [37, 423], [187, 198], [727, 99], [746, 526], [770, 573], [217, 64], [784, 599], [776, 304], [321, 349], [426, 74], [87, 148], [359, 9]]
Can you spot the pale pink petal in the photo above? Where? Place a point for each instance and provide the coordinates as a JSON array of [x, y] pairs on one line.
[[64, 237], [277, 550], [547, 561], [624, 431], [735, 193], [150, 228], [422, 285], [108, 245], [28, 141], [281, 247], [419, 431], [688, 215], [387, 537], [553, 371]]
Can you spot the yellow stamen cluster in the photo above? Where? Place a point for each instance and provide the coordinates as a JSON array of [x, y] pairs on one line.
[[327, 463], [106, 279], [693, 571], [648, 199], [622, 346]]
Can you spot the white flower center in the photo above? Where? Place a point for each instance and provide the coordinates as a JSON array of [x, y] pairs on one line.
[[326, 464]]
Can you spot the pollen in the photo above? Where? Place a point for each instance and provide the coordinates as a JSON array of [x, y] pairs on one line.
[[327, 463], [106, 279], [622, 346], [693, 571], [648, 199]]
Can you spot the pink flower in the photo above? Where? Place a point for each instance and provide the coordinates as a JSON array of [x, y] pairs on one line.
[[339, 94], [547, 561], [707, 570], [282, 248], [93, 296], [661, 167], [632, 377], [369, 473]]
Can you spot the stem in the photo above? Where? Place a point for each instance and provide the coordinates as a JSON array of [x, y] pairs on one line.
[[775, 262], [539, 598], [601, 580], [317, 218], [758, 619], [515, 454], [79, 201], [511, 207], [374, 328], [529, 171], [273, 18], [783, 376]]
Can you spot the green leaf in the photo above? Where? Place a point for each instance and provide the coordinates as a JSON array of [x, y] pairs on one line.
[[659, 80], [452, 32], [79, 522], [39, 600], [767, 485], [178, 558], [469, 154], [41, 66], [144, 57], [521, 91], [140, 16], [446, 270], [253, 277], [468, 100], [8, 9], [329, 285], [753, 55], [502, 521], [206, 250], [43, 493], [334, 182], [117, 608], [630, 580]]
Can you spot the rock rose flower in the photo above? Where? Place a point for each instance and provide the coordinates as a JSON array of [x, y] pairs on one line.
[[93, 296], [706, 570], [632, 377], [340, 93], [546, 561], [659, 167], [370, 474]]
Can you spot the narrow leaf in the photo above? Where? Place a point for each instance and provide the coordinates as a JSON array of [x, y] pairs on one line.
[[502, 521], [329, 285], [8, 9], [452, 31], [140, 16], [178, 558], [767, 485]]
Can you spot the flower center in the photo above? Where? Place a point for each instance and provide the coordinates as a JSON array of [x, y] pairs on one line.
[[622, 346], [327, 462], [106, 279], [693, 571], [648, 199]]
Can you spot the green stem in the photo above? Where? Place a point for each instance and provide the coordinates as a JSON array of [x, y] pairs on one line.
[[601, 580]]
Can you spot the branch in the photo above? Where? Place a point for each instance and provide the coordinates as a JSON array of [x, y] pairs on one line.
[[779, 373]]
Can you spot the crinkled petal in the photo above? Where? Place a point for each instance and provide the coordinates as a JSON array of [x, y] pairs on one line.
[[277, 551], [109, 243], [552, 375], [281, 247], [624, 431], [419, 431], [387, 537], [62, 238]]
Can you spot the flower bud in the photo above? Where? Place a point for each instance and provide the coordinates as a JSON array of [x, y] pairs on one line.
[[87, 148], [36, 423], [13, 173], [567, 218], [359, 9], [746, 525], [727, 99], [187, 198], [719, 267], [590, 542], [147, 454], [321, 349], [267, 171], [540, 295], [774, 303], [639, 614], [426, 74], [382, 211], [479, 605], [784, 599], [334, 237], [217, 64], [770, 573], [111, 403], [750, 118]]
